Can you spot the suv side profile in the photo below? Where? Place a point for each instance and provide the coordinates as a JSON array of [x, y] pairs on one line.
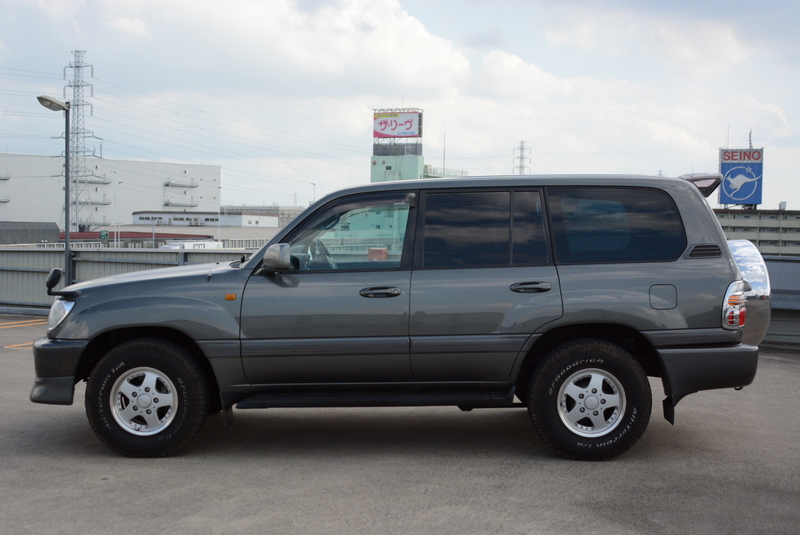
[[564, 292]]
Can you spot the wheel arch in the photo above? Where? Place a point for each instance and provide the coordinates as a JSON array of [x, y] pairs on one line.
[[103, 343], [627, 338]]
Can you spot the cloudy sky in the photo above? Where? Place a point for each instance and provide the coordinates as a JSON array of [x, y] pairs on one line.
[[280, 93]]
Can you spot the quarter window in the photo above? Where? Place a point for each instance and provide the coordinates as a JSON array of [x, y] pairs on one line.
[[608, 225]]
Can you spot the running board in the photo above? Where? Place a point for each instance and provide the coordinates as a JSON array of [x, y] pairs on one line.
[[371, 399]]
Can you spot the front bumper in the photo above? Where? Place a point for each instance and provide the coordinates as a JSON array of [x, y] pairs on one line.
[[56, 362]]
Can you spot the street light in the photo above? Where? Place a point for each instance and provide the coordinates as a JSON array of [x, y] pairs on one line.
[[56, 105], [116, 210]]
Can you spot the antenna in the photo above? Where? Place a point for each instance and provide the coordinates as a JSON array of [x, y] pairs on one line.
[[521, 157]]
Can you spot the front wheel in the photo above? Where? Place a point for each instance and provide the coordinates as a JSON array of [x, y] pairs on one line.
[[590, 400], [146, 398]]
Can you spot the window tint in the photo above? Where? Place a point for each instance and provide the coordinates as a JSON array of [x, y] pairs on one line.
[[529, 243], [362, 233], [467, 229], [474, 229], [594, 225]]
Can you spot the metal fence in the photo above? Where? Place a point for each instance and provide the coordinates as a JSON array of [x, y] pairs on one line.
[[23, 270]]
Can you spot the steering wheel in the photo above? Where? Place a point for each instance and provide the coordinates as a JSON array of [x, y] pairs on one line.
[[320, 256]]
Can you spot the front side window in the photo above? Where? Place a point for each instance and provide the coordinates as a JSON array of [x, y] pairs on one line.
[[609, 225], [367, 232]]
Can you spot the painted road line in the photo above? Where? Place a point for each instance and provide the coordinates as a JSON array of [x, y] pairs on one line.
[[22, 324]]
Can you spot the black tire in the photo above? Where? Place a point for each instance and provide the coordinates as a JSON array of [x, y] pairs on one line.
[[589, 400], [147, 398]]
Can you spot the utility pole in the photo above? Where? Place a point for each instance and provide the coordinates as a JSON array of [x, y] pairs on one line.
[[521, 157]]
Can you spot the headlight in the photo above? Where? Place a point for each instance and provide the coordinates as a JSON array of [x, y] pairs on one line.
[[58, 311]]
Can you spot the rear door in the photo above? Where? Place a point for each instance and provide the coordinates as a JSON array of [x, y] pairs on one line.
[[483, 281]]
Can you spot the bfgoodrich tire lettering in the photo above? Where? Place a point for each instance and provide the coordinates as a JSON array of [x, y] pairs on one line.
[[146, 398], [589, 399]]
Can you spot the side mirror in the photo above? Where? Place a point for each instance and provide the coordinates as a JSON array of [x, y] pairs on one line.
[[53, 278], [277, 257]]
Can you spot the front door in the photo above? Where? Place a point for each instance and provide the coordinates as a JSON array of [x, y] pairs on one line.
[[341, 314]]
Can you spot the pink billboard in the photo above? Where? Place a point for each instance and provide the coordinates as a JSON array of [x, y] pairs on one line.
[[397, 124]]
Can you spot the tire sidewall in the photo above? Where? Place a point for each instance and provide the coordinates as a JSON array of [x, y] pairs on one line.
[[170, 360], [562, 364]]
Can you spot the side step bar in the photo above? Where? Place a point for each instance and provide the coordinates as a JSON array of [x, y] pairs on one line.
[[465, 400]]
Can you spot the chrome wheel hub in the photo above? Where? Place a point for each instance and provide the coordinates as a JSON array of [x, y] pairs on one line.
[[591, 402], [143, 401]]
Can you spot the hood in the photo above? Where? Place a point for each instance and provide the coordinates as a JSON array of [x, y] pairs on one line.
[[154, 275]]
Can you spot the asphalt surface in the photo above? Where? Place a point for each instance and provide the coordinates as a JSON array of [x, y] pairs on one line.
[[731, 464]]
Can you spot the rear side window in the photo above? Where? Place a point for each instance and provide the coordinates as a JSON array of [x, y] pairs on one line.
[[610, 225], [483, 229]]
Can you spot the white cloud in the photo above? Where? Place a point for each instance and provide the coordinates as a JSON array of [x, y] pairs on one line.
[[130, 26], [348, 45], [692, 46], [509, 76], [60, 9]]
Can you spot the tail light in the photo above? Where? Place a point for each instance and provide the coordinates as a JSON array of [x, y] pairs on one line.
[[734, 313]]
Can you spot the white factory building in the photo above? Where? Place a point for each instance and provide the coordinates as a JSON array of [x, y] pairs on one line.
[[32, 189]]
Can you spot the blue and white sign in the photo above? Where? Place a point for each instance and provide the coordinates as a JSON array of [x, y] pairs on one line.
[[742, 176]]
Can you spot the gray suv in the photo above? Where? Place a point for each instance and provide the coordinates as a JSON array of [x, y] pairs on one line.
[[564, 292]]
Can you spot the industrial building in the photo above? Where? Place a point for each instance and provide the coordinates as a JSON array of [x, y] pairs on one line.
[[774, 232], [32, 189]]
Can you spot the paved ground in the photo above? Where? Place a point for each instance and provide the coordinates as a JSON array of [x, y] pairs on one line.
[[731, 464]]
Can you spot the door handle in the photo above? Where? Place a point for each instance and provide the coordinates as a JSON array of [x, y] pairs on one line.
[[531, 287], [380, 291]]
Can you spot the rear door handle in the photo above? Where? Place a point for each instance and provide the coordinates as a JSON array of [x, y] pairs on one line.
[[531, 287], [380, 291]]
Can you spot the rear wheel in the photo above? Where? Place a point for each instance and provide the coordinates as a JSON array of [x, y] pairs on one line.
[[589, 399], [147, 398]]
